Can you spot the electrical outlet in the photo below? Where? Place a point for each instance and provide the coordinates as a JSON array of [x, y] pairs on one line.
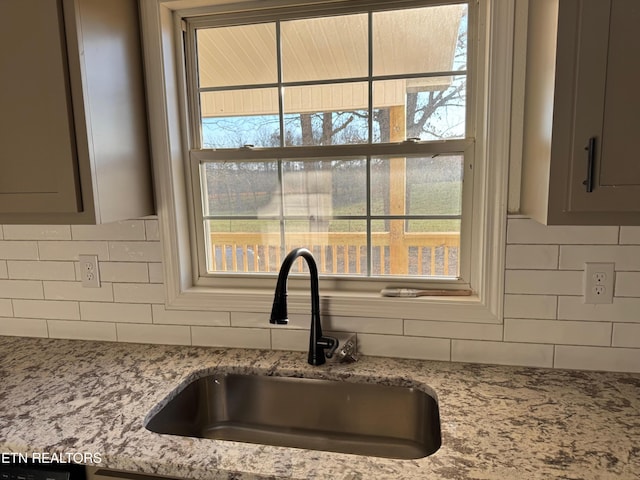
[[599, 280], [89, 271]]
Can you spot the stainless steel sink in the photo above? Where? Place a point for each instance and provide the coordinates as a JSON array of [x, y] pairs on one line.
[[365, 419]]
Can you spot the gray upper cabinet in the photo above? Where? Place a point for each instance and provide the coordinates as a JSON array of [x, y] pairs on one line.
[[581, 165], [73, 132]]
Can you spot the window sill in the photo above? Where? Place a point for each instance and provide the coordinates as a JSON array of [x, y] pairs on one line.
[[338, 303]]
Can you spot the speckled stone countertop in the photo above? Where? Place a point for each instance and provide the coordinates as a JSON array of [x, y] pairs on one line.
[[497, 422]]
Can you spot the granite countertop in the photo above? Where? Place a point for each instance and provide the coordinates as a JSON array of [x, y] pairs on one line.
[[66, 396]]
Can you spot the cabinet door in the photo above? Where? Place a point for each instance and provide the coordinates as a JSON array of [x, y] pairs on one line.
[[38, 162], [607, 108], [622, 98]]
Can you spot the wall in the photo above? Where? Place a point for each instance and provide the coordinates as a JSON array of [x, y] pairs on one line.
[[546, 324]]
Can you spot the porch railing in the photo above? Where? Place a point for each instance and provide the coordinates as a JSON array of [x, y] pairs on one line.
[[339, 253]]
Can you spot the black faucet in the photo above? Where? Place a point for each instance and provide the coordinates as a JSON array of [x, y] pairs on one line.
[[317, 342]]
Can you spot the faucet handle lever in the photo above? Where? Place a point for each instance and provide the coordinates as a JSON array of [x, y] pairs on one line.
[[328, 342]]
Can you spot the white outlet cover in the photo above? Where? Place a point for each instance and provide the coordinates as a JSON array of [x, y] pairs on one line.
[[599, 282], [89, 271]]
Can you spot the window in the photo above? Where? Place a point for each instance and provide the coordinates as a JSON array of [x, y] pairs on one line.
[[347, 133], [208, 281]]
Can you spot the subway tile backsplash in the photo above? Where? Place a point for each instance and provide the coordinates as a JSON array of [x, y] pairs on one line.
[[546, 323], [503, 353]]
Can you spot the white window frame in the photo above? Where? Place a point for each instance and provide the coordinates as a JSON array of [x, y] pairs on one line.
[[164, 64]]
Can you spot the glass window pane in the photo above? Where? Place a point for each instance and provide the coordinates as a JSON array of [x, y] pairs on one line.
[[324, 188], [434, 185], [379, 247], [339, 246], [333, 114], [431, 108], [417, 185], [243, 245], [349, 187], [434, 251], [397, 215], [430, 253], [419, 40], [234, 118], [238, 55], [241, 189], [325, 48]]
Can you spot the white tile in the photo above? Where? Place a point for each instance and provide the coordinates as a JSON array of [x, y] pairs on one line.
[[156, 272], [521, 230], [626, 258], [472, 331], [626, 335], [623, 309], [4, 273], [563, 332], [303, 321], [598, 358], [298, 340], [54, 290], [18, 250], [37, 232], [6, 309], [530, 306], [135, 251], [41, 270], [126, 272], [152, 230], [70, 250], [162, 334], [23, 327], [21, 289], [52, 309], [138, 292], [126, 230], [261, 320], [288, 339], [543, 282], [627, 284], [82, 330], [232, 337], [388, 326], [537, 257], [630, 235], [502, 353], [404, 347], [189, 317], [115, 312]]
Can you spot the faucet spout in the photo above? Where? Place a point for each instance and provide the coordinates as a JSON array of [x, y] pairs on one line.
[[318, 343]]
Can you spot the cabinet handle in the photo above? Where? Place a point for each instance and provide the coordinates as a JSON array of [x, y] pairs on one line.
[[591, 158]]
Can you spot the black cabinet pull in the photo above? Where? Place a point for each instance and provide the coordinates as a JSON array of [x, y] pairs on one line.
[[591, 158]]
